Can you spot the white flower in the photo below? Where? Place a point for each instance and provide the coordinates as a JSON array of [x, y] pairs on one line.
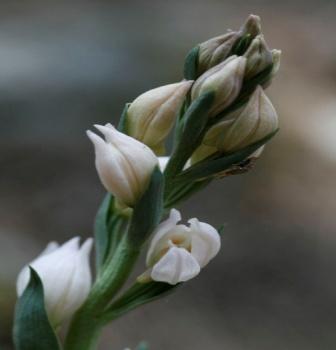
[[151, 116], [124, 164], [178, 252], [66, 277]]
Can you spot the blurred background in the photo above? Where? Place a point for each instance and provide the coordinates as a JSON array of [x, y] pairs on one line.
[[65, 65]]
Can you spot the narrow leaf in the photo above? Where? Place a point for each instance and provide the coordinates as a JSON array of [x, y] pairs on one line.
[[212, 167], [122, 126], [32, 330], [195, 120], [139, 294], [147, 212], [191, 63], [101, 230], [142, 346]]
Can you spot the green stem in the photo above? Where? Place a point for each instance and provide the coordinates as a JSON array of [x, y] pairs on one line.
[[86, 325]]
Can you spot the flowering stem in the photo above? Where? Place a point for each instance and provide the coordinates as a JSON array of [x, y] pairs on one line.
[[86, 325]]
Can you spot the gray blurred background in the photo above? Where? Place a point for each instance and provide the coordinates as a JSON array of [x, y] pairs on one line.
[[65, 65]]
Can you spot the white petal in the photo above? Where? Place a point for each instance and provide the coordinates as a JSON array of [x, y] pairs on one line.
[[161, 231], [205, 241], [24, 275], [177, 265], [78, 289]]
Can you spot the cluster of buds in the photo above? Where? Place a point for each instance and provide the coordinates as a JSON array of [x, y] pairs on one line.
[[236, 68]]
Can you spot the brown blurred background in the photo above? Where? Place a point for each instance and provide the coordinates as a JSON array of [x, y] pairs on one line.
[[65, 65]]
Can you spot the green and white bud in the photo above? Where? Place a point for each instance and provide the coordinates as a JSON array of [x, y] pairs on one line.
[[259, 57], [214, 51], [246, 126], [225, 80], [152, 115], [252, 123], [252, 26]]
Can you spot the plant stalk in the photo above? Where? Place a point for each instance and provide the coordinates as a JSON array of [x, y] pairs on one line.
[[86, 326]]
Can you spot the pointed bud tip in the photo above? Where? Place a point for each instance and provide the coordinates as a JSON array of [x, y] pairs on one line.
[[252, 25], [87, 246], [94, 138], [72, 243]]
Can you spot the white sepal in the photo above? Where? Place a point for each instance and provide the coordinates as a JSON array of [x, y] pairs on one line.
[[177, 265]]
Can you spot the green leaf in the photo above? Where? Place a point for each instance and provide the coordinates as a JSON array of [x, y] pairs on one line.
[[139, 294], [101, 230], [182, 191], [148, 211], [191, 64], [241, 45], [122, 126], [208, 168], [142, 346], [32, 330], [195, 120]]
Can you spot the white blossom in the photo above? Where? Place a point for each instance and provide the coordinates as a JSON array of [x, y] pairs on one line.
[[178, 252], [66, 277]]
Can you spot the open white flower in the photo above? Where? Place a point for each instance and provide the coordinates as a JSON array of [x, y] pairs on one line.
[[66, 277], [178, 252], [124, 164]]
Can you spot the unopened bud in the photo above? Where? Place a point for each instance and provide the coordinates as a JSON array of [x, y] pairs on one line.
[[259, 57], [215, 51], [225, 80], [252, 26], [124, 164], [151, 116], [254, 122]]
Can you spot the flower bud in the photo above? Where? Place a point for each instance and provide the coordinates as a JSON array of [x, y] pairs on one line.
[[66, 278], [215, 50], [259, 57], [252, 26], [124, 164], [178, 252], [250, 124], [151, 116], [225, 79]]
